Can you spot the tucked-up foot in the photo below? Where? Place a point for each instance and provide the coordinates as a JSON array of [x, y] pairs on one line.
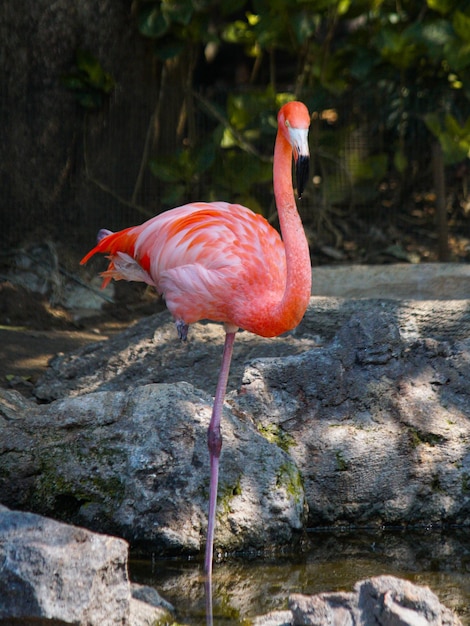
[[182, 329]]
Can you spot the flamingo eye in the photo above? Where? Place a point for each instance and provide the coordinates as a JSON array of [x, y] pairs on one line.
[[287, 123]]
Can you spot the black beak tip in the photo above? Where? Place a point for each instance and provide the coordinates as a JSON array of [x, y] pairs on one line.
[[302, 169]]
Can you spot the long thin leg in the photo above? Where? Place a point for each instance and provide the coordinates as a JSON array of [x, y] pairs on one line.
[[214, 443]]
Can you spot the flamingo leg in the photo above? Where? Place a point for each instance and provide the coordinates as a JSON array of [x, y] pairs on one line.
[[214, 443]]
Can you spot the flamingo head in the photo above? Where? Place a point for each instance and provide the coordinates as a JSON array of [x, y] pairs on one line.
[[293, 122]]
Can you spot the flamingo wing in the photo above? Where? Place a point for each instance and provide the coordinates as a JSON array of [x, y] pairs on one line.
[[215, 261]]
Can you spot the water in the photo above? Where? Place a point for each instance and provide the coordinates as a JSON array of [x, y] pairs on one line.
[[245, 587]]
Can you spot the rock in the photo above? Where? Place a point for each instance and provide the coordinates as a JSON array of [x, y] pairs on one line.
[[383, 601], [338, 609], [443, 320], [37, 269], [370, 396], [147, 607], [386, 380], [52, 571], [275, 618], [150, 352], [136, 464], [142, 614], [401, 281], [150, 596], [86, 299]]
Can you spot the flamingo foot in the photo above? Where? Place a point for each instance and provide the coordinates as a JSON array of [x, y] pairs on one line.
[[182, 329]]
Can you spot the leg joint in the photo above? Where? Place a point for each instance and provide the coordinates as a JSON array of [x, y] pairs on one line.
[[214, 442]]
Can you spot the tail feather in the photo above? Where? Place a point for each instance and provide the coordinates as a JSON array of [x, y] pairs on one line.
[[119, 247], [111, 243]]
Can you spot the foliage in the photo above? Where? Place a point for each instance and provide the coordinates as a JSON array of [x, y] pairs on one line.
[[454, 138], [89, 82], [398, 71]]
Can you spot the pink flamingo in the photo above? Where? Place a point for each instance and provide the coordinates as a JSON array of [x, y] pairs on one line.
[[223, 262]]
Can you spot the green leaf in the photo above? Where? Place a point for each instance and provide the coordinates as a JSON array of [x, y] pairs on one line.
[[400, 161], [397, 47], [180, 11], [436, 32], [430, 38], [441, 6], [93, 72], [271, 30], [433, 122], [238, 32], [457, 54], [452, 126], [303, 26], [343, 6], [461, 24], [454, 138], [152, 22]]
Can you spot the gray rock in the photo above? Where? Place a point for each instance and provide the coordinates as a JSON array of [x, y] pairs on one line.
[[150, 352], [52, 571], [377, 421], [144, 614], [401, 281], [387, 380], [150, 596], [382, 601], [275, 618], [136, 464]]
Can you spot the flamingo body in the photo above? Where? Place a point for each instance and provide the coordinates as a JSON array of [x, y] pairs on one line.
[[216, 261]]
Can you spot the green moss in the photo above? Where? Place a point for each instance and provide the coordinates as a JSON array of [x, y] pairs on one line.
[[289, 477], [276, 435], [56, 491], [418, 437], [229, 612], [226, 495], [341, 463]]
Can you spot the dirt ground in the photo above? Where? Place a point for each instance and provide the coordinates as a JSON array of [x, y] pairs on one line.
[[32, 331]]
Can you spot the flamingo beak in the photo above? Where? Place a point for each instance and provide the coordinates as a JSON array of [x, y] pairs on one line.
[[301, 171], [299, 142]]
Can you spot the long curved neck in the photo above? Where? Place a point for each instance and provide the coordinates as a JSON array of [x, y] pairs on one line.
[[299, 272]]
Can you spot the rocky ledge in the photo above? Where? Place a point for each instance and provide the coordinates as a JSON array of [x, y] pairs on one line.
[[365, 422]]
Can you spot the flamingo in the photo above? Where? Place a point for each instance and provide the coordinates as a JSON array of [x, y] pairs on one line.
[[222, 262]]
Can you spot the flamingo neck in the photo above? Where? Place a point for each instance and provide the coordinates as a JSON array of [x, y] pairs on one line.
[[296, 296]]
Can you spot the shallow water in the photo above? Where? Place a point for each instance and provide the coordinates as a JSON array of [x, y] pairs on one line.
[[245, 587]]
